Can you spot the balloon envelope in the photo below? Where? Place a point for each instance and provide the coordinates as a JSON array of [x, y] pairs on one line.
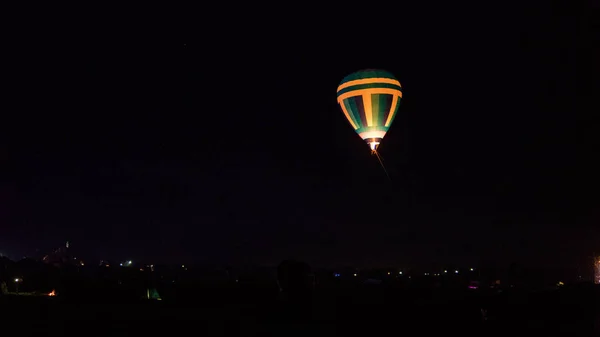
[[370, 100]]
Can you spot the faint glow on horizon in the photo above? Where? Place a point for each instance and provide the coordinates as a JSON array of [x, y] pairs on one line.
[[596, 270]]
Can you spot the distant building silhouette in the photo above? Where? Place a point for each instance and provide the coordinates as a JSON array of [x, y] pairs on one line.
[[58, 257]]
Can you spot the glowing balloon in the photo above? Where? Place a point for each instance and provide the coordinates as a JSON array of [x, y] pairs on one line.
[[370, 100]]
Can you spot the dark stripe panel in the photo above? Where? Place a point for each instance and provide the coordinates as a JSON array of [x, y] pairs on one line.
[[395, 110], [360, 109], [386, 104]]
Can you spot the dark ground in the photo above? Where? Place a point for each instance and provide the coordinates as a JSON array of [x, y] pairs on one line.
[[334, 312]]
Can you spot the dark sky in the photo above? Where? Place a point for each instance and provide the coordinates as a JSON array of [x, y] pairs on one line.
[[214, 135]]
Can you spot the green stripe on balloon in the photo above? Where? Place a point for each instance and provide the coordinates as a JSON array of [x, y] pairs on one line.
[[368, 73]]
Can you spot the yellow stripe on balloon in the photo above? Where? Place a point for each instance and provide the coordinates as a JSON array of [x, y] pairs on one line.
[[368, 108], [369, 91], [369, 81]]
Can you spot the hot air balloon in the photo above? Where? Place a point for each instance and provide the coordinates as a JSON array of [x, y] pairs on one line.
[[370, 99]]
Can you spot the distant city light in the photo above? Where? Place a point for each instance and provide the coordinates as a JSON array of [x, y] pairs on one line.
[[472, 269], [445, 271], [336, 275], [456, 271], [389, 273], [355, 274], [400, 273]]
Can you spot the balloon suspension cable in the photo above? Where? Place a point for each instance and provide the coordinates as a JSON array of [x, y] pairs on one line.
[[381, 162]]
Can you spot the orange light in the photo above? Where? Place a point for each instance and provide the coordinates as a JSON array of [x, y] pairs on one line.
[[52, 293]]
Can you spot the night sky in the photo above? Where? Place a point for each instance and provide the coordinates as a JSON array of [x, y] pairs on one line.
[[214, 136]]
